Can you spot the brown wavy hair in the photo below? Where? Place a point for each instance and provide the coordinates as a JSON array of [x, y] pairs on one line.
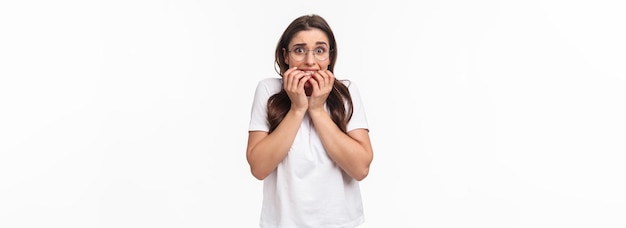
[[279, 104]]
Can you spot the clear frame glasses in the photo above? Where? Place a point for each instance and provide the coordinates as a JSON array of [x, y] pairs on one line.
[[320, 53]]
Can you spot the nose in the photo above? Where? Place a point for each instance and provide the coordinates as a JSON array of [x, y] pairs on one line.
[[309, 58]]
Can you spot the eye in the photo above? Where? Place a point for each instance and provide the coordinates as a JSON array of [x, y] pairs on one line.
[[298, 50], [320, 50]]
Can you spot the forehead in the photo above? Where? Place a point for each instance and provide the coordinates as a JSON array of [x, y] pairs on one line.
[[309, 37]]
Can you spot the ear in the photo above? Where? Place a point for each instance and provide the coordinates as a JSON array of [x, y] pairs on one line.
[[286, 56]]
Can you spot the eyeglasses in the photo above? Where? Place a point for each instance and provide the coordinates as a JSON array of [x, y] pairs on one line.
[[321, 54]]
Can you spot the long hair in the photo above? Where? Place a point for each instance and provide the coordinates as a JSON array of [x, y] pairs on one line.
[[279, 104]]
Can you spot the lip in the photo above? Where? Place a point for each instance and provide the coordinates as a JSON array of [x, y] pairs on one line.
[[309, 71]]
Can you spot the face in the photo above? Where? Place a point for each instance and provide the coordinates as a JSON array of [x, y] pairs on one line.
[[314, 40]]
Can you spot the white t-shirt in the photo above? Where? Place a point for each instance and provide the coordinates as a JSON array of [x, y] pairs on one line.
[[308, 189]]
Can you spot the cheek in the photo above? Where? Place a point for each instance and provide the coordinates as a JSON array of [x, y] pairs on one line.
[[325, 66]]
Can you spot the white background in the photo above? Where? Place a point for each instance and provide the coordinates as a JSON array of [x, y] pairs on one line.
[[482, 113]]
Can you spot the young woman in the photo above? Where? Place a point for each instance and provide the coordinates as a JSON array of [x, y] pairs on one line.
[[308, 135]]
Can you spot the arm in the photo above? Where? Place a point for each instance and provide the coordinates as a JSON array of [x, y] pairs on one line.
[[265, 150], [351, 151]]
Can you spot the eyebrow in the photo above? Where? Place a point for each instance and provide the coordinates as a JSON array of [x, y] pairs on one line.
[[316, 43]]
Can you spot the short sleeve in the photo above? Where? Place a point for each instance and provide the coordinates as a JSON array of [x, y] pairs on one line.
[[359, 119], [258, 112]]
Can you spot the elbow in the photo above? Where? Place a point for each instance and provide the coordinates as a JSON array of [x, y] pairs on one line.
[[259, 175], [259, 170], [255, 170], [362, 174], [363, 171]]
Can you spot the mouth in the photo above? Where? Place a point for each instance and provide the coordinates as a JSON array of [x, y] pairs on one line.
[[309, 71]]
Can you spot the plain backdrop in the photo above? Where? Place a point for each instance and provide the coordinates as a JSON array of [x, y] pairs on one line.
[[482, 113]]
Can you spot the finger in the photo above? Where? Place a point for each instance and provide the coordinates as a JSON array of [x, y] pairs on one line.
[[288, 75], [303, 81], [321, 81], [288, 71], [314, 83], [331, 76], [325, 77], [294, 79], [300, 81]]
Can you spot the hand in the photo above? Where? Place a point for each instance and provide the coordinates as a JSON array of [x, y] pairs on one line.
[[293, 83], [322, 83]]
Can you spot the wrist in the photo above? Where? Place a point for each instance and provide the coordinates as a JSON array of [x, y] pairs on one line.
[[316, 112], [298, 111]]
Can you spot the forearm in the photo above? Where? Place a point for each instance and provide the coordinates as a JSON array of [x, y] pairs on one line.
[[352, 155], [267, 153]]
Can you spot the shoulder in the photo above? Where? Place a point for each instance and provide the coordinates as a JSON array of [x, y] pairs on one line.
[[345, 82], [350, 84], [271, 81], [271, 85]]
